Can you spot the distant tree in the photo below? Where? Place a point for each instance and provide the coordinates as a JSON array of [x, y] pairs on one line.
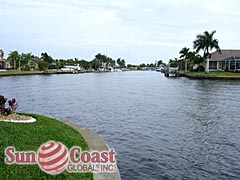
[[60, 63], [121, 62], [46, 57], [26, 60], [206, 42], [174, 62], [160, 62], [132, 66], [95, 64], [151, 65], [43, 66], [101, 58], [184, 54], [142, 65], [85, 64], [112, 63], [129, 65], [70, 62], [14, 56]]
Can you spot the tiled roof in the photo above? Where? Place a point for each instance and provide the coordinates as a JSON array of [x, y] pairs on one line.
[[3, 60], [225, 54]]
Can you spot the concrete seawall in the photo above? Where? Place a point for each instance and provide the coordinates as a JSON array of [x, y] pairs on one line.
[[193, 76], [95, 142]]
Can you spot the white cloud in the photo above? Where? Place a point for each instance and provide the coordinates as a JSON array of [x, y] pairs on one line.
[[117, 27], [139, 42]]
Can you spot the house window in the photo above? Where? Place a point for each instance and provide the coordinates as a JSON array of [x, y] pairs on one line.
[[238, 64], [232, 64], [1, 65], [213, 65]]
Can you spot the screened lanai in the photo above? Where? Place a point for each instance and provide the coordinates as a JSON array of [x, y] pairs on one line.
[[228, 60]]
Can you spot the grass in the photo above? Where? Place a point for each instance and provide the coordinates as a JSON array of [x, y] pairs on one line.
[[12, 72], [26, 137], [213, 73]]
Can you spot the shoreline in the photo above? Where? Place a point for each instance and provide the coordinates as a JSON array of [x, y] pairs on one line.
[[95, 143], [90, 140], [29, 137], [26, 73], [209, 76]]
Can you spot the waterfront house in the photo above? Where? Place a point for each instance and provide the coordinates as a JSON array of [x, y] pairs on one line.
[[33, 63], [4, 64], [227, 60]]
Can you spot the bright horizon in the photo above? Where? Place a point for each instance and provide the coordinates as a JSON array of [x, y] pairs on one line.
[[135, 30]]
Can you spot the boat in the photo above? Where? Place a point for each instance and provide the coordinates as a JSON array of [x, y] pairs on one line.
[[73, 69], [171, 71], [117, 70], [160, 69]]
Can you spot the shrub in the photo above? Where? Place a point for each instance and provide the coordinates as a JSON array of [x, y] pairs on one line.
[[43, 66], [200, 69], [237, 71], [12, 105], [27, 68]]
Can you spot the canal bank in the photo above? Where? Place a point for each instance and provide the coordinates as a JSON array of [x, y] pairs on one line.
[[95, 143], [27, 73], [212, 75], [28, 136]]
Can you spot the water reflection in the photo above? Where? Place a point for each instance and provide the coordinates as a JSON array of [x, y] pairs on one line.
[[162, 128]]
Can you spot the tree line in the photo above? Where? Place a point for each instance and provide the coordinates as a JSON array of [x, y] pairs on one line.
[[28, 61], [192, 60]]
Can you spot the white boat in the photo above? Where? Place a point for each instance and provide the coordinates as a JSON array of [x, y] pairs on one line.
[[75, 68], [111, 69], [171, 71], [101, 68], [160, 69], [117, 70]]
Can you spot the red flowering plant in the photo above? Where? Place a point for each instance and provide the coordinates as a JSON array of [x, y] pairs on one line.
[[12, 106]]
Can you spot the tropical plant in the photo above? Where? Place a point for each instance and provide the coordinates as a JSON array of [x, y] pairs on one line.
[[84, 64], [195, 58], [121, 63], [160, 62], [206, 42], [14, 57], [26, 61], [95, 64], [173, 62], [46, 57], [184, 54], [12, 106], [43, 66]]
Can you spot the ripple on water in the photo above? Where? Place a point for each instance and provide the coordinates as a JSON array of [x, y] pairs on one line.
[[161, 128]]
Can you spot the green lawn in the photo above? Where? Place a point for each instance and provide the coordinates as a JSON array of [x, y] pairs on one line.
[[11, 72], [26, 137], [214, 73]]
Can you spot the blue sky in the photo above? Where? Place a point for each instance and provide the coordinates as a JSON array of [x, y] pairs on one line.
[[136, 30]]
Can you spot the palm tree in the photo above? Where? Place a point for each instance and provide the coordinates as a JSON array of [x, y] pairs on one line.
[[184, 54], [206, 42], [46, 57], [194, 58], [26, 59], [14, 56]]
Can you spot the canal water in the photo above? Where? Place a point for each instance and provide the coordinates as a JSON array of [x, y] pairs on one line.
[[161, 128]]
